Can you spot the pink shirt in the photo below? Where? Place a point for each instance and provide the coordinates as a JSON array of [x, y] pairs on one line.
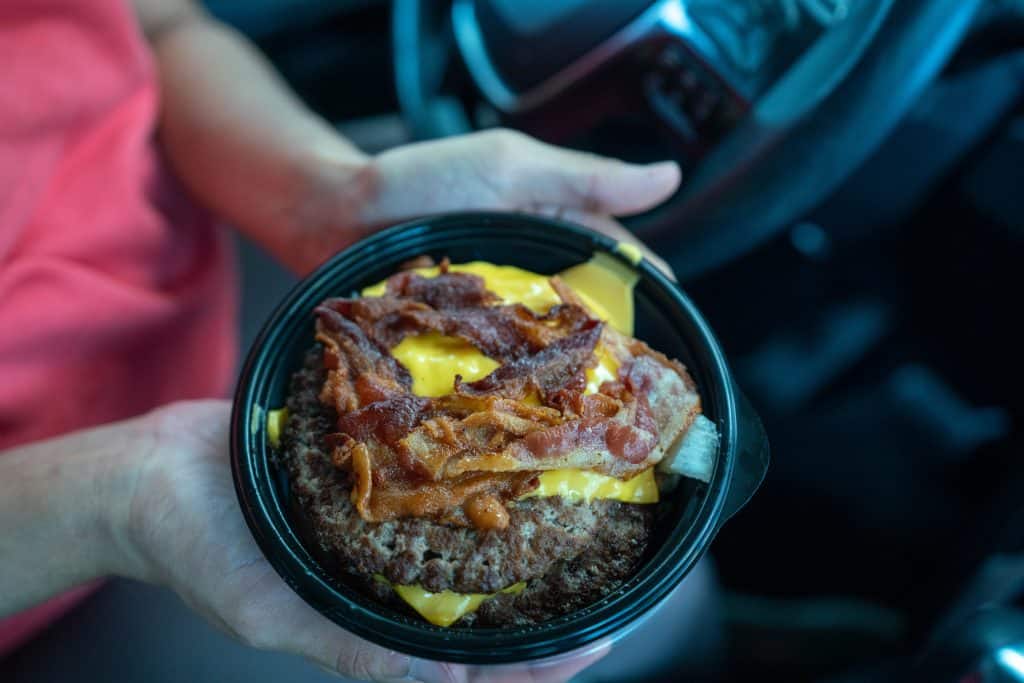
[[116, 293]]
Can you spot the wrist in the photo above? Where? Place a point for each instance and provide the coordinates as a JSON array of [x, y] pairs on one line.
[[62, 502], [171, 483], [92, 494], [119, 500], [328, 208]]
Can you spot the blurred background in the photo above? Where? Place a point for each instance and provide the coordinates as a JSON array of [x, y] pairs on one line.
[[851, 224]]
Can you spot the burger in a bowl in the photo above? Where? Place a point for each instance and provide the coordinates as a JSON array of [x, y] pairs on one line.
[[471, 443]]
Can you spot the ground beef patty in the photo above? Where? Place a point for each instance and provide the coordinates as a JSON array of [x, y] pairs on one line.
[[574, 553]]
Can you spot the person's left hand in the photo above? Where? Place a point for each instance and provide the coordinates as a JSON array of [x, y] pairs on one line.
[[185, 530], [494, 170]]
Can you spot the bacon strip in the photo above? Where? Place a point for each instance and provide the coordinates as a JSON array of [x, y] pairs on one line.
[[444, 292], [501, 332], [388, 421], [358, 371], [556, 372]]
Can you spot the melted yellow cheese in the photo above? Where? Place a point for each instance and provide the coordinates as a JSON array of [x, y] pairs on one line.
[[433, 360], [607, 369], [275, 425], [446, 607], [630, 252], [606, 279], [582, 486]]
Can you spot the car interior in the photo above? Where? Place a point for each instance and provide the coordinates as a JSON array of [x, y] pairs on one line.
[[850, 222]]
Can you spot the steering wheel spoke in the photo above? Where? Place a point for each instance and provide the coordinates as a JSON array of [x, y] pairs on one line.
[[769, 104]]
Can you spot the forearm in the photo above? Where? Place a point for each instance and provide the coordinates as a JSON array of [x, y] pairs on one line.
[[62, 503], [244, 144], [247, 148]]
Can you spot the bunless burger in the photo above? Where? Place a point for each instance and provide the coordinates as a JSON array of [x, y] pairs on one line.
[[485, 446]]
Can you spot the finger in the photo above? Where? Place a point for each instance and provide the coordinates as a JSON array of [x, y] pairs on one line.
[[337, 651], [299, 629], [612, 228], [564, 671], [343, 653], [273, 617], [539, 673], [537, 173], [429, 671], [340, 652]]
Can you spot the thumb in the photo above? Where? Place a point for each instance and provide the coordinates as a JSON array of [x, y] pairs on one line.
[[543, 174]]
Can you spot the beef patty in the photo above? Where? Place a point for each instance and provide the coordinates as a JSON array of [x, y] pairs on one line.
[[571, 554]]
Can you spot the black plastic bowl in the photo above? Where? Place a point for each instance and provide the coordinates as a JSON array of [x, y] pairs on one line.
[[665, 318]]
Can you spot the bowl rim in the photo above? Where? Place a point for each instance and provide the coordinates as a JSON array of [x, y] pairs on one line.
[[650, 584]]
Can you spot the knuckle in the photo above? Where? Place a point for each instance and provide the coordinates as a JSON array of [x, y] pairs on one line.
[[586, 190], [504, 143], [357, 662]]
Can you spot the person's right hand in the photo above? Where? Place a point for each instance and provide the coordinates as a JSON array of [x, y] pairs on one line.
[[183, 528]]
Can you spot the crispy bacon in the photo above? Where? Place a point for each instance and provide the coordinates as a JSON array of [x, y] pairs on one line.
[[501, 332], [670, 391], [384, 320], [358, 371], [434, 499], [443, 292], [388, 420], [565, 292], [556, 372], [457, 457]]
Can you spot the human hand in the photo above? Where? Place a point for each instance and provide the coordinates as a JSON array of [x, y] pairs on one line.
[[184, 529], [494, 170]]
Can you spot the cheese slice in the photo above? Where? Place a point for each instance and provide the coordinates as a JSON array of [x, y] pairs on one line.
[[446, 607], [607, 280], [630, 252], [276, 420], [582, 486], [433, 360]]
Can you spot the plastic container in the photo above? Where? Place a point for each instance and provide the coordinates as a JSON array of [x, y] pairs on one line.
[[665, 318]]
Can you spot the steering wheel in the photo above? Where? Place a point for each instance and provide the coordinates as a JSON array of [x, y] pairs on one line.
[[765, 127]]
